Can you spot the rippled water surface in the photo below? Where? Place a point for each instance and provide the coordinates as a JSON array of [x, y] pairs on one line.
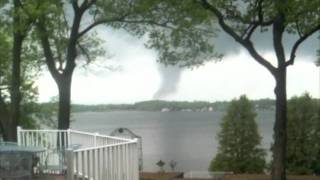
[[189, 138]]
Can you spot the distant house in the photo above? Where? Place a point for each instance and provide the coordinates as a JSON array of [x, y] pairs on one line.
[[165, 110], [186, 110], [204, 109], [210, 109]]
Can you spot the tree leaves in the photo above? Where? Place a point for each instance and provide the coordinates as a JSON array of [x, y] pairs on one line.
[[181, 33], [303, 135], [239, 140]]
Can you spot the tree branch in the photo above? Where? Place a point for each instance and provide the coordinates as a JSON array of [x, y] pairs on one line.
[[86, 4], [47, 50], [122, 19], [278, 28], [85, 52], [297, 44], [249, 31], [142, 21], [298, 28], [72, 43], [98, 22], [75, 4], [246, 43], [260, 14], [261, 21]]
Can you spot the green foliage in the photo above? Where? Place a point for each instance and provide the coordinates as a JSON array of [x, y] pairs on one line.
[[180, 32], [161, 164], [239, 141], [101, 107], [264, 104], [5, 47], [154, 105], [46, 113], [158, 105], [243, 19], [303, 147], [30, 66]]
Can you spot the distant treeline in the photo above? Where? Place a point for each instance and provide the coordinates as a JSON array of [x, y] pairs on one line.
[[158, 105]]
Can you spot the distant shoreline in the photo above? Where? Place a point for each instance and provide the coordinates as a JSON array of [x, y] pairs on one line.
[[170, 106]]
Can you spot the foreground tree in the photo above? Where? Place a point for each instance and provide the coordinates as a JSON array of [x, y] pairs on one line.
[[316, 137], [66, 38], [15, 26], [4, 72], [27, 90], [66, 32], [303, 135], [241, 19], [181, 33], [239, 148]]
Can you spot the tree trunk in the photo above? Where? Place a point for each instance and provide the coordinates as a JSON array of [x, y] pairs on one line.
[[64, 86], [63, 78], [15, 94], [4, 118], [15, 87], [280, 127]]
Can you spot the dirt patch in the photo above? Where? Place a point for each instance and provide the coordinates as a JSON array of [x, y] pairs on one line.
[[267, 177], [179, 176], [160, 176]]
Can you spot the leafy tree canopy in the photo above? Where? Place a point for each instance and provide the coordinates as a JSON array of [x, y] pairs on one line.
[[303, 135], [241, 20], [182, 32], [239, 148], [29, 68]]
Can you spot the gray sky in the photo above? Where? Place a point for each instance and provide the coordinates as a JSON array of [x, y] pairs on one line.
[[137, 75]]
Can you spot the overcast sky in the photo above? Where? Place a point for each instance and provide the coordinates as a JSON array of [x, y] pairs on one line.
[[136, 76]]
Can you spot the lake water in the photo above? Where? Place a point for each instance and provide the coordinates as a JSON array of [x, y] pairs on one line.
[[189, 138]]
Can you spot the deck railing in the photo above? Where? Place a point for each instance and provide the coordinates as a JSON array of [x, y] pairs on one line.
[[86, 155]]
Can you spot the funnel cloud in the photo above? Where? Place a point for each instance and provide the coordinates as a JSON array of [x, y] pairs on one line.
[[170, 75], [170, 78]]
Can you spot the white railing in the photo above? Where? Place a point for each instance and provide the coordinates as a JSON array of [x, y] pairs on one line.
[[86, 155], [117, 161]]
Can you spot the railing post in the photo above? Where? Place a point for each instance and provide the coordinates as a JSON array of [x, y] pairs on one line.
[[95, 139], [135, 160], [69, 138], [70, 164], [18, 135]]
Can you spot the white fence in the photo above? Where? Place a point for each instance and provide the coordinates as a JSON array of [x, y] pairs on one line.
[[84, 155]]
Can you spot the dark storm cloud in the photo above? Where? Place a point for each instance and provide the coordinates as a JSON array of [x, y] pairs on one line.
[[170, 76], [263, 43]]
